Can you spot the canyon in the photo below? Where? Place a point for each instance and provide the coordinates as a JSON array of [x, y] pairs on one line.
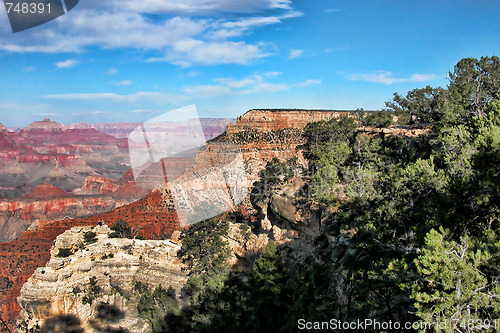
[[260, 135], [50, 171]]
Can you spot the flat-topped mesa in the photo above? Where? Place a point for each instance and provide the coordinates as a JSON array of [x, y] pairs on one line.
[[44, 125], [265, 120], [47, 191], [264, 134]]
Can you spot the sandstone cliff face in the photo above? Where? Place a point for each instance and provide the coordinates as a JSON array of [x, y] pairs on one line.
[[98, 185], [273, 120], [114, 264], [264, 134]]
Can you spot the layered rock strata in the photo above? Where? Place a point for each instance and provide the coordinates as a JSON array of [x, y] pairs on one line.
[[113, 266]]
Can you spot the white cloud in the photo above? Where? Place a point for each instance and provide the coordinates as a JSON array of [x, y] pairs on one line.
[[24, 107], [204, 7], [188, 52], [124, 83], [295, 53], [112, 71], [183, 32], [48, 114], [340, 48], [227, 86], [272, 74], [230, 29], [310, 82], [66, 64], [388, 78], [230, 86], [154, 97], [143, 111], [98, 112]]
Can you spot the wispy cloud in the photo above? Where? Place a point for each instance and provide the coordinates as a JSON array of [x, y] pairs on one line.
[[336, 49], [188, 52], [229, 86], [388, 78], [143, 96], [273, 74], [143, 111], [124, 83], [295, 53], [48, 114], [310, 82], [205, 7], [28, 69], [332, 10], [98, 112], [23, 107], [230, 29], [112, 71], [66, 64]]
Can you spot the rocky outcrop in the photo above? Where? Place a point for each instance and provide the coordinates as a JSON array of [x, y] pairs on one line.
[[151, 216], [264, 134], [111, 265], [98, 185], [114, 267]]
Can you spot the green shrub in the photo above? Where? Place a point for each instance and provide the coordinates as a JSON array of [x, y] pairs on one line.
[[378, 119], [121, 229], [64, 253], [91, 292], [89, 237]]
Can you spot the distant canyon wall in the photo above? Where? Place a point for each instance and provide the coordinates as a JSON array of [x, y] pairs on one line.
[[261, 135]]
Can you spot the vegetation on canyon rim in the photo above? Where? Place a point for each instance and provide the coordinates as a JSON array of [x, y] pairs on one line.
[[411, 228], [409, 225]]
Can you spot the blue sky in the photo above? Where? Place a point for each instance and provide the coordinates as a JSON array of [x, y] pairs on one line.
[[130, 60]]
